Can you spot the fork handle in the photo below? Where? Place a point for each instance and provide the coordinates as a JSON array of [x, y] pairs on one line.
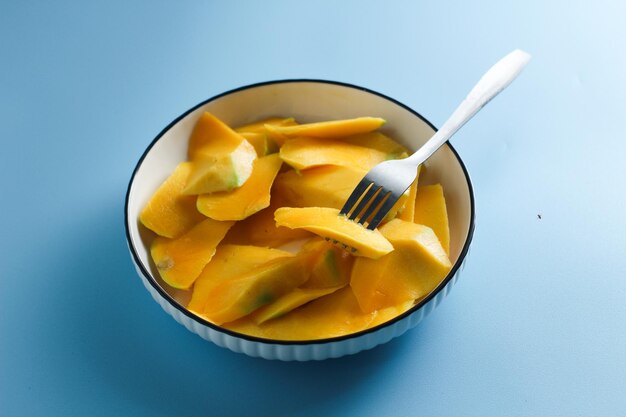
[[496, 79]]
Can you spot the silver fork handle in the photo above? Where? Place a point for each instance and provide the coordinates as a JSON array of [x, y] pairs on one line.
[[496, 79]]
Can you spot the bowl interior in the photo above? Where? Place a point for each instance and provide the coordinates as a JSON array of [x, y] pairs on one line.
[[307, 101]]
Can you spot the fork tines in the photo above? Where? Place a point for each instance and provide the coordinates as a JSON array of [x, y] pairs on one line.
[[368, 203]]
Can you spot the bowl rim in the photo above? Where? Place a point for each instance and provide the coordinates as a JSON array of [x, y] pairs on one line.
[[422, 302]]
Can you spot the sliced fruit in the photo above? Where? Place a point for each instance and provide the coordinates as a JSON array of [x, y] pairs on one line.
[[211, 132], [246, 200], [237, 297], [378, 141], [430, 210], [324, 186], [326, 130], [215, 170], [332, 269], [262, 143], [333, 315], [416, 266], [229, 262], [326, 222], [303, 153], [408, 210], [273, 293], [260, 229], [169, 213], [180, 261], [385, 314], [330, 266], [259, 127], [289, 302]]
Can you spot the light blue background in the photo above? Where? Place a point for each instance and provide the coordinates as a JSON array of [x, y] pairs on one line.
[[536, 325]]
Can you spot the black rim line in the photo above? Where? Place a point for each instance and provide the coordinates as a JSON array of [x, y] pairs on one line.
[[391, 322]]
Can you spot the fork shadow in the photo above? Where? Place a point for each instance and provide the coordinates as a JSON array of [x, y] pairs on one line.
[[143, 357]]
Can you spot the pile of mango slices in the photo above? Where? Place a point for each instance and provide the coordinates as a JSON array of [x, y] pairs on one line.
[[243, 225]]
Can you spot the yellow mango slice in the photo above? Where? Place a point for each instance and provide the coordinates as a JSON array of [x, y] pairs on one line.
[[260, 229], [169, 213], [261, 143], [229, 262], [325, 186], [180, 261], [215, 170], [333, 315], [326, 222], [238, 297], [385, 314], [327, 130], [259, 127], [304, 152], [430, 210], [289, 302], [330, 266], [211, 133], [416, 266], [408, 210], [378, 141], [246, 200]]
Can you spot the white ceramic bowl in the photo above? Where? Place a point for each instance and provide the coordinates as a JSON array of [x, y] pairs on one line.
[[306, 100]]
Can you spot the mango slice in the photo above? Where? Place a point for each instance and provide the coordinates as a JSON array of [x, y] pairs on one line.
[[260, 229], [237, 297], [215, 170], [259, 127], [332, 269], [246, 200], [221, 158], [378, 141], [326, 222], [416, 266], [169, 213], [327, 130], [333, 315], [330, 266], [228, 262], [262, 144], [289, 302], [408, 210], [385, 314], [180, 261], [211, 133], [325, 186], [303, 153], [430, 210]]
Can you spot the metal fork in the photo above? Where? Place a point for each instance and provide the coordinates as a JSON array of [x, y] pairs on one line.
[[383, 185]]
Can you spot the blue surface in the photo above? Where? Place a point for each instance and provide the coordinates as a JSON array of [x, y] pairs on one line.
[[536, 325]]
